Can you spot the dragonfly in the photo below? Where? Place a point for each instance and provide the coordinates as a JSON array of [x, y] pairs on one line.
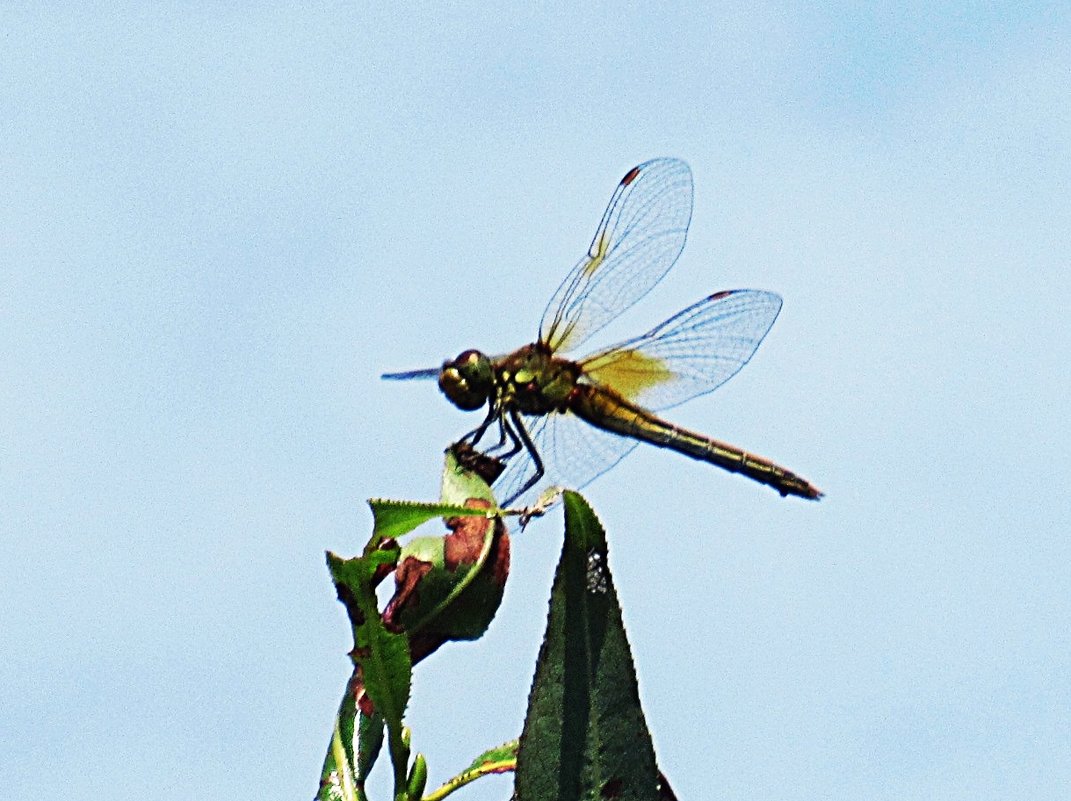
[[565, 421]]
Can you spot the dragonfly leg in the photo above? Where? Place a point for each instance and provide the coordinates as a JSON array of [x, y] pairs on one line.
[[529, 446], [474, 436], [515, 441], [502, 438]]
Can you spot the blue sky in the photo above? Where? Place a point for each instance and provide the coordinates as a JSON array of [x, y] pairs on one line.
[[218, 226]]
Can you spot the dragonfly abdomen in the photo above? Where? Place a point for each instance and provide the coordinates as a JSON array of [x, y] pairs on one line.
[[607, 410]]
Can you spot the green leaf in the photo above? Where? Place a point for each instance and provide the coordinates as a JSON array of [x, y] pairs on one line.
[[418, 778], [378, 692], [500, 759], [462, 588], [397, 518], [369, 743], [459, 484], [352, 575], [338, 781], [585, 736], [354, 747], [387, 671], [504, 754], [381, 657]]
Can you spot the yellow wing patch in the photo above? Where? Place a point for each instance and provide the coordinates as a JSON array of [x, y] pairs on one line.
[[627, 372], [596, 258]]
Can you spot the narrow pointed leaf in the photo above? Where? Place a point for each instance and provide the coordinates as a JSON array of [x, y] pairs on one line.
[[501, 759], [418, 778], [585, 736], [395, 519], [499, 755], [382, 655], [338, 780], [369, 744]]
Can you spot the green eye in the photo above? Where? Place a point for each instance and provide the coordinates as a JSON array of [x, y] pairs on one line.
[[468, 380]]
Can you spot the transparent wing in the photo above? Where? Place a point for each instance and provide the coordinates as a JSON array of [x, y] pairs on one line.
[[640, 237], [692, 353], [573, 453]]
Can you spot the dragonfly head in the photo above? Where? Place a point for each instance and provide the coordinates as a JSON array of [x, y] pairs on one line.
[[468, 381]]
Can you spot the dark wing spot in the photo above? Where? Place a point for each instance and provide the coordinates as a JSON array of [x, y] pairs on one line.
[[630, 176], [723, 294]]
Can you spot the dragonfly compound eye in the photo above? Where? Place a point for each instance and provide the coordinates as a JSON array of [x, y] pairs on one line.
[[468, 380]]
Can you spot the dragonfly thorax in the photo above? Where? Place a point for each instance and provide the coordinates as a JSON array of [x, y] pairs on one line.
[[532, 381]]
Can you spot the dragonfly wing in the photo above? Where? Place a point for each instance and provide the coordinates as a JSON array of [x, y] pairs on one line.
[[640, 237], [692, 353], [573, 454]]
